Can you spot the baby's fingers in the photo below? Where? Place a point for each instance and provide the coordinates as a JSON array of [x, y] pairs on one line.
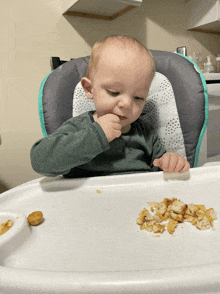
[[178, 164], [174, 163], [168, 162], [185, 168], [156, 162]]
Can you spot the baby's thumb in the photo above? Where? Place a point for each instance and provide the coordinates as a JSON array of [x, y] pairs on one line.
[[156, 162]]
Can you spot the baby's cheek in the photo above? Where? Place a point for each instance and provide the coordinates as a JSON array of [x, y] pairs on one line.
[[103, 107], [137, 113], [108, 108]]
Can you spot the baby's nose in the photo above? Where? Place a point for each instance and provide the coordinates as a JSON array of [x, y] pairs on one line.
[[125, 102]]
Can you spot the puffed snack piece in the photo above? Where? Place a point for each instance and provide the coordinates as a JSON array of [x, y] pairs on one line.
[[35, 218]]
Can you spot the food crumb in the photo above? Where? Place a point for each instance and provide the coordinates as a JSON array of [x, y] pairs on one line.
[[5, 227], [98, 191]]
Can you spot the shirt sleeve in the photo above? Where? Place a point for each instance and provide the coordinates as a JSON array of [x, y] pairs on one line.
[[75, 143], [158, 149]]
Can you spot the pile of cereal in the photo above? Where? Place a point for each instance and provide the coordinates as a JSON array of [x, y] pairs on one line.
[[175, 211], [5, 227]]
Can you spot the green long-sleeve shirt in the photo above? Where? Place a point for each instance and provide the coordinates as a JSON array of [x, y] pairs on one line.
[[80, 148]]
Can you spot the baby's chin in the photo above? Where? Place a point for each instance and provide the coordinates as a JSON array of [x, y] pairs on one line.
[[126, 129]]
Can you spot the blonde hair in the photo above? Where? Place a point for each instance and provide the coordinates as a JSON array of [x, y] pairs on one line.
[[123, 41]]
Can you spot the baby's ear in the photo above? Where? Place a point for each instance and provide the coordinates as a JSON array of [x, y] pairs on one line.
[[87, 86]]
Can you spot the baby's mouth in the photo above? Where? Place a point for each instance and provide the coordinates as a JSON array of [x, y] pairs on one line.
[[122, 117]]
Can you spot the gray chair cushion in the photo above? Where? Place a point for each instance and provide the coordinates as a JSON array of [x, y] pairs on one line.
[[57, 90]]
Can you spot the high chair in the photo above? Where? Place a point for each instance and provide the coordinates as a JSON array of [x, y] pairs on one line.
[[88, 240], [176, 107]]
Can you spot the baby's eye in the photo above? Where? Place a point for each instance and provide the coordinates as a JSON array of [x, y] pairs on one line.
[[139, 98], [113, 93]]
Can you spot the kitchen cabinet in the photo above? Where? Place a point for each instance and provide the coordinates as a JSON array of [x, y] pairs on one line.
[[205, 16], [100, 9]]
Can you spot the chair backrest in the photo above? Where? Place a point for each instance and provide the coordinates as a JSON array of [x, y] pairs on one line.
[[176, 76]]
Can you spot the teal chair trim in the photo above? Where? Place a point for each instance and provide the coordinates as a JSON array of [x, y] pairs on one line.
[[206, 108], [40, 106]]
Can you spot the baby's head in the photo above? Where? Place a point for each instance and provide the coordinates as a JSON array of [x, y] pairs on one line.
[[118, 78]]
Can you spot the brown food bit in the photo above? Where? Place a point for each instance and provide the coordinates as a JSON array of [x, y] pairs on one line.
[[141, 217], [191, 209], [212, 213], [188, 218], [157, 228], [208, 217], [149, 226], [139, 221], [172, 226], [142, 227], [158, 217], [166, 215], [149, 217], [178, 207], [177, 217], [161, 208], [35, 218], [194, 222], [201, 207], [212, 226], [168, 201], [152, 204], [203, 224], [5, 227]]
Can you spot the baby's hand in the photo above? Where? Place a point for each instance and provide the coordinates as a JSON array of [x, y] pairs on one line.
[[172, 163], [111, 126]]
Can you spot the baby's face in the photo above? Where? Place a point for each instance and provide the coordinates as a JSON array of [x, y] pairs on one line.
[[121, 84]]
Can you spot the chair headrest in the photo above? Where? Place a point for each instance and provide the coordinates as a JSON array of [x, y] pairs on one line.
[[188, 84]]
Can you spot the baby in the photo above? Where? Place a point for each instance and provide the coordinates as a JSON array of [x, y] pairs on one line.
[[112, 139]]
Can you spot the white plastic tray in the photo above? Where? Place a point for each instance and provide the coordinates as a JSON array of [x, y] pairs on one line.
[[89, 242]]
